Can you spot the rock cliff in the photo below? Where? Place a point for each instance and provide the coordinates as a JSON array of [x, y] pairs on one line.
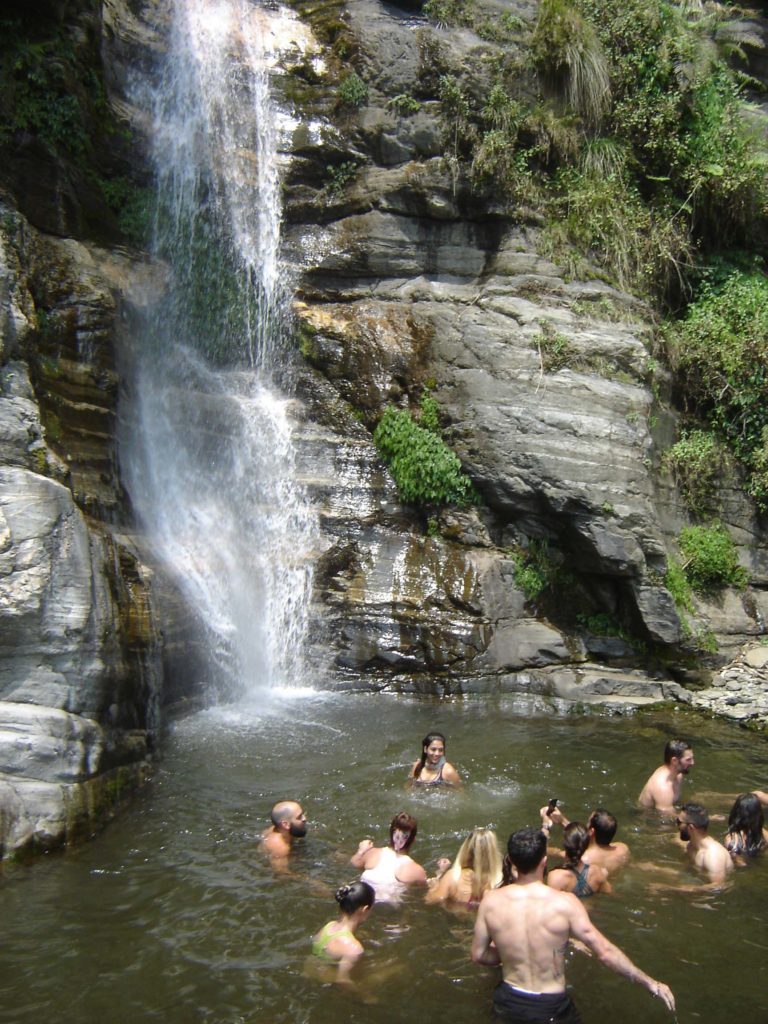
[[409, 278]]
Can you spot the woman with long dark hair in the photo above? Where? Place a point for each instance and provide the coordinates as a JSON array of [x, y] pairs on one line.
[[432, 769], [746, 835]]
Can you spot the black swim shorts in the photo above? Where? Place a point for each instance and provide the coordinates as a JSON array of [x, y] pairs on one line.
[[515, 1007]]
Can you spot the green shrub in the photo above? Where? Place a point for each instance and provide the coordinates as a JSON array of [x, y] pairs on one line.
[[131, 204], [677, 584], [534, 569], [449, 12], [352, 90], [37, 85], [404, 104], [711, 562], [719, 352], [430, 414], [569, 55], [339, 176], [641, 245], [697, 461], [555, 350], [425, 470]]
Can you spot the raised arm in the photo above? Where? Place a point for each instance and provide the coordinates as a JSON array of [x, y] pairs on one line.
[[609, 954], [358, 858]]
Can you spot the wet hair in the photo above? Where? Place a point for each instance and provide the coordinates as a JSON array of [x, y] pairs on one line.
[[604, 824], [747, 817], [405, 824], [480, 853], [424, 744], [575, 841], [696, 815], [352, 897], [281, 810], [526, 849], [675, 748]]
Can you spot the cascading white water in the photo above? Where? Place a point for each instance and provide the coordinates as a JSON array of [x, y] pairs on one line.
[[210, 461]]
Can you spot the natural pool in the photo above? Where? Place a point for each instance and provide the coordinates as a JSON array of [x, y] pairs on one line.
[[173, 915]]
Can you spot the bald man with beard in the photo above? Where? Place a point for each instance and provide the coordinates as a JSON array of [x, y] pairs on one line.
[[288, 823]]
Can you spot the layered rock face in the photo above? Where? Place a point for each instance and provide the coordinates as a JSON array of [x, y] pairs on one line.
[[78, 640], [409, 279]]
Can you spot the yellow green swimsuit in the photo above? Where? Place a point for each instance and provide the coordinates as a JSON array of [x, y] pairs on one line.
[[324, 936]]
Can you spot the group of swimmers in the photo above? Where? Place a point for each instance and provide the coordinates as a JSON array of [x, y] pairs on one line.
[[525, 916]]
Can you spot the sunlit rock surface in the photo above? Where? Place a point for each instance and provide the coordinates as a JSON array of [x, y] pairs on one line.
[[410, 278], [78, 695]]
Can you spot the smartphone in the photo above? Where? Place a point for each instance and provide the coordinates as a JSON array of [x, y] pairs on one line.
[[552, 804]]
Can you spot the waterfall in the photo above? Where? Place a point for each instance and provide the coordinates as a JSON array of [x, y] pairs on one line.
[[209, 460]]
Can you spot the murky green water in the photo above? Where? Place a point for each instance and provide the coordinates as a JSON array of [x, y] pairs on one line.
[[172, 914]]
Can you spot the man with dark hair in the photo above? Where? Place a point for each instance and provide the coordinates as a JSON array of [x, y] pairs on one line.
[[602, 850], [662, 790], [524, 927], [706, 853], [288, 823]]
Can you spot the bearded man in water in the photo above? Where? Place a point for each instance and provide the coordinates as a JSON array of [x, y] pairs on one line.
[[289, 822]]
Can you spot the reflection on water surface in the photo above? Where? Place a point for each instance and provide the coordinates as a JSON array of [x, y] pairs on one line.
[[172, 914]]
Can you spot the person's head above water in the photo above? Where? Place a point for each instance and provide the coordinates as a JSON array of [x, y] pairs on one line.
[[526, 849], [288, 818], [694, 816], [575, 841], [747, 817], [480, 853], [355, 897], [603, 824], [402, 832], [432, 750], [679, 751]]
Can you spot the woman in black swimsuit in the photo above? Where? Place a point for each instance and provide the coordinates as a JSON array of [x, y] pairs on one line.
[[432, 769], [576, 875]]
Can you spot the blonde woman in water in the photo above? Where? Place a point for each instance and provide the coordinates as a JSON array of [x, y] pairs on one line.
[[477, 868]]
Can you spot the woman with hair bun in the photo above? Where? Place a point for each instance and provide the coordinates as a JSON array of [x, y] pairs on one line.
[[432, 769], [336, 942], [389, 869]]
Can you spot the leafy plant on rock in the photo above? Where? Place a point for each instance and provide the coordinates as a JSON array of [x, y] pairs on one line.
[[425, 470], [719, 352], [710, 559], [534, 568], [352, 91], [697, 461]]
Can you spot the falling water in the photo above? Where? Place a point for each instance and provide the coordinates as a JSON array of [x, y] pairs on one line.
[[210, 461]]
